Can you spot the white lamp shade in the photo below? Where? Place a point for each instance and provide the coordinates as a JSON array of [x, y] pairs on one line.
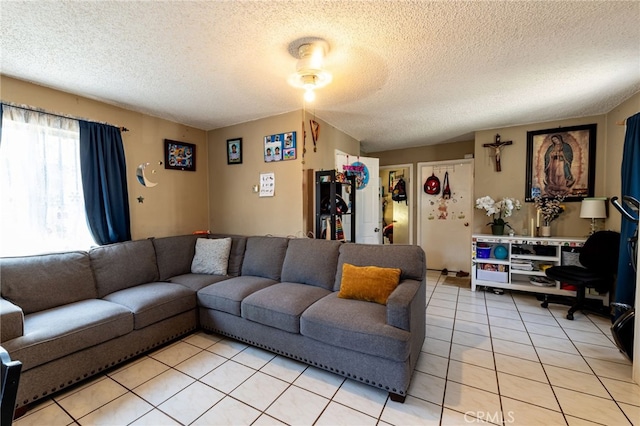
[[593, 208]]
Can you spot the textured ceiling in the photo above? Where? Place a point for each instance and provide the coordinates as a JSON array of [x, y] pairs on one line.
[[405, 73]]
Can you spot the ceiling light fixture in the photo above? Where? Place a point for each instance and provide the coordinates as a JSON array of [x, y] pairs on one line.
[[309, 73]]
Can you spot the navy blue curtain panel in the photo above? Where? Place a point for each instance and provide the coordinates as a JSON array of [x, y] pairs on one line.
[[626, 284], [104, 182]]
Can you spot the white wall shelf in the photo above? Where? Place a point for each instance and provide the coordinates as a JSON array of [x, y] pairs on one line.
[[526, 260]]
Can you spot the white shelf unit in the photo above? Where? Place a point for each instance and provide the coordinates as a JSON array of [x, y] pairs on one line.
[[521, 252]]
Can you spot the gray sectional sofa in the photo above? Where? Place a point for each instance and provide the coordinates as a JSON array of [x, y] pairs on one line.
[[68, 316]]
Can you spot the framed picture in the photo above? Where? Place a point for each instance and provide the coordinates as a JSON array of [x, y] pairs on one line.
[[179, 155], [561, 163], [280, 147], [392, 178], [234, 151]]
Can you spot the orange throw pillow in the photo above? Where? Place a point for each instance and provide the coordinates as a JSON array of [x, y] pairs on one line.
[[368, 283]]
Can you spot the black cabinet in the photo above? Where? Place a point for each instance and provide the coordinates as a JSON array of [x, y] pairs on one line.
[[335, 206]]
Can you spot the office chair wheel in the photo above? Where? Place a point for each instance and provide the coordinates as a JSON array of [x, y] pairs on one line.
[[545, 304], [570, 317]]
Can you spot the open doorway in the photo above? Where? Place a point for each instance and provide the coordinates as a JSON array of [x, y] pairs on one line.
[[397, 216]]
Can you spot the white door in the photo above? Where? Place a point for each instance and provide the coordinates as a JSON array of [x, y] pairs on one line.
[[368, 207], [444, 224]]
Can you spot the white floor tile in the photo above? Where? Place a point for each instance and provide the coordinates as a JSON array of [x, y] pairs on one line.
[[474, 340], [474, 356], [361, 397], [427, 387], [319, 381], [155, 418], [472, 317], [432, 364], [436, 347], [412, 412], [90, 398], [575, 380], [594, 338], [513, 324], [228, 376], [439, 333], [284, 368], [626, 392], [554, 343], [529, 391], [563, 359], [121, 411], [191, 402], [298, 406], [611, 370], [472, 375], [519, 350], [340, 415], [591, 408], [253, 357], [200, 364], [632, 412], [472, 327], [511, 335], [520, 367], [545, 330], [202, 340], [175, 353], [603, 353], [476, 402], [227, 348], [50, 415], [139, 372], [259, 391], [229, 411], [521, 413], [439, 321], [163, 386]]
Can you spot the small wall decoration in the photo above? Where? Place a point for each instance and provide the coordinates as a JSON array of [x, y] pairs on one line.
[[179, 155], [561, 163], [267, 184], [280, 147], [234, 151], [392, 180]]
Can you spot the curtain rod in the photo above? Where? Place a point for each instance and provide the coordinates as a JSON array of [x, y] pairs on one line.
[[32, 108]]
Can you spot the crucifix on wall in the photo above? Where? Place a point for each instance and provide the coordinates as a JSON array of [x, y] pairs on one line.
[[497, 146]]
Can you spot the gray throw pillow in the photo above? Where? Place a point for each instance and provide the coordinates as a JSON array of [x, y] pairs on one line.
[[212, 256]]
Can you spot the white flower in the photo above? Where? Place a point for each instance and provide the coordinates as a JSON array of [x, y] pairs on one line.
[[503, 208]]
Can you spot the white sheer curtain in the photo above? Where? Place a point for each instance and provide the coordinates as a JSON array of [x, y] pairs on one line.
[[40, 184]]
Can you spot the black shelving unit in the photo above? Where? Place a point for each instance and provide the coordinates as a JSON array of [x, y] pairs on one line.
[[327, 187]]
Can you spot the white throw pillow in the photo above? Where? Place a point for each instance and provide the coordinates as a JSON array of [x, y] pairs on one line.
[[212, 256]]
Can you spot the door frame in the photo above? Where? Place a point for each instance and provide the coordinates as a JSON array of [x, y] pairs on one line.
[[410, 196]]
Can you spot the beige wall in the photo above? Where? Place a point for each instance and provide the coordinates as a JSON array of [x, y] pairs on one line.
[[510, 182], [235, 208], [178, 205]]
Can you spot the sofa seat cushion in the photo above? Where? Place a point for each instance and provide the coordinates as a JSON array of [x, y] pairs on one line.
[[355, 325], [197, 281], [281, 305], [227, 295], [63, 330], [154, 302]]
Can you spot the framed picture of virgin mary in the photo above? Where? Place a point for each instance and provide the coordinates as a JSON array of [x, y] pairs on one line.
[[561, 163]]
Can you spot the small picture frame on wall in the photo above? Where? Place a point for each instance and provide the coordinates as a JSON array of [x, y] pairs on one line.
[[179, 155], [234, 151], [561, 163]]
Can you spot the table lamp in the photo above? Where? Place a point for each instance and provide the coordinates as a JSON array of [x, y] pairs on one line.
[[593, 208]]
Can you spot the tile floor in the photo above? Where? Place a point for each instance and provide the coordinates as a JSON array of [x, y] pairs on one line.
[[499, 359]]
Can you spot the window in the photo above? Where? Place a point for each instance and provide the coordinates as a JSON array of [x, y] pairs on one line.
[[40, 185]]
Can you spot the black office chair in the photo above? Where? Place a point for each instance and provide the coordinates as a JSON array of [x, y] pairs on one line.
[[9, 379], [599, 260]]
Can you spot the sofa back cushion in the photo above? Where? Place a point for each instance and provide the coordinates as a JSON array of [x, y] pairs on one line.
[[264, 256], [36, 283], [311, 261], [123, 265], [174, 255], [236, 256], [410, 259]]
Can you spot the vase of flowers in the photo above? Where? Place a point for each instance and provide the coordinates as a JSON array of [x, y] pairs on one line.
[[549, 209], [498, 210]]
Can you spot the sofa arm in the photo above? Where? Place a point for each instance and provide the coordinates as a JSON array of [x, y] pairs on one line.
[[11, 321], [402, 302]]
